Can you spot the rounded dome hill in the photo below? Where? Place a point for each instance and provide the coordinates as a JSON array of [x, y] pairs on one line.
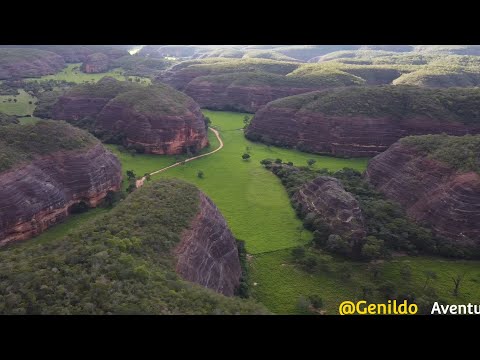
[[153, 119]]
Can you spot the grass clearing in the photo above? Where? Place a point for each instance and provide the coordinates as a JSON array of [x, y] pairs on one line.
[[29, 120], [252, 199], [24, 105], [72, 73], [280, 284]]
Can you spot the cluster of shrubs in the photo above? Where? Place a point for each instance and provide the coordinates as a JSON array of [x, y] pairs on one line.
[[388, 228]]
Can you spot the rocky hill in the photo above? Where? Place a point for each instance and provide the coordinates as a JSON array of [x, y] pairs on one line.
[[179, 76], [46, 170], [152, 119], [95, 63], [125, 261], [326, 198], [364, 121], [249, 91], [23, 63], [436, 178], [78, 53], [207, 253]]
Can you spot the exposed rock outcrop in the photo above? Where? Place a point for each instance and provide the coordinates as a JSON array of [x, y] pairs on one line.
[[39, 194], [96, 63], [23, 63], [363, 122], [208, 253], [240, 96], [432, 192], [158, 119], [326, 197]]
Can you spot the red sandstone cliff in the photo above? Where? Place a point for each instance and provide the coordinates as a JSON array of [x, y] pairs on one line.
[[326, 197], [431, 192], [39, 194], [207, 253], [157, 118], [352, 136], [96, 63], [157, 133], [237, 97]]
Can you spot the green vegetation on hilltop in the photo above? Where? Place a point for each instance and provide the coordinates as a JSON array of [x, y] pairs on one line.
[[268, 54], [7, 119], [244, 65], [107, 87], [398, 102], [140, 66], [121, 263], [317, 80], [28, 62], [20, 143], [460, 152], [158, 98]]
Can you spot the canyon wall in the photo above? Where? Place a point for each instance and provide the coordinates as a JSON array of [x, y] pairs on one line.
[[39, 194], [207, 253], [432, 192]]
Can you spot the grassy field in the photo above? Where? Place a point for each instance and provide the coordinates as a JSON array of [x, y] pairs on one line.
[[28, 120], [252, 199], [72, 73], [258, 211], [280, 285], [23, 106]]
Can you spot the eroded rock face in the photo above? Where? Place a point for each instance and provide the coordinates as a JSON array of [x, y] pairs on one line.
[[431, 192], [159, 120], [326, 197], [207, 253], [226, 96], [352, 136], [157, 133], [23, 63], [96, 63], [38, 195]]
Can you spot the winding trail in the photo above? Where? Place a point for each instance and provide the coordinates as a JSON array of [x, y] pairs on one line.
[[217, 134]]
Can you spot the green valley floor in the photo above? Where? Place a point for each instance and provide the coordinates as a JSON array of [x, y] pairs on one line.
[[258, 211]]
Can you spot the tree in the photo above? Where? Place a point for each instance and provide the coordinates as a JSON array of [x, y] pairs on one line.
[[207, 122], [373, 248], [200, 174], [131, 187], [457, 281], [109, 198], [406, 272], [321, 234], [310, 162], [15, 100], [246, 121], [316, 301], [266, 162], [147, 176], [245, 156], [375, 269], [429, 275], [298, 253], [290, 163], [278, 161], [131, 175]]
